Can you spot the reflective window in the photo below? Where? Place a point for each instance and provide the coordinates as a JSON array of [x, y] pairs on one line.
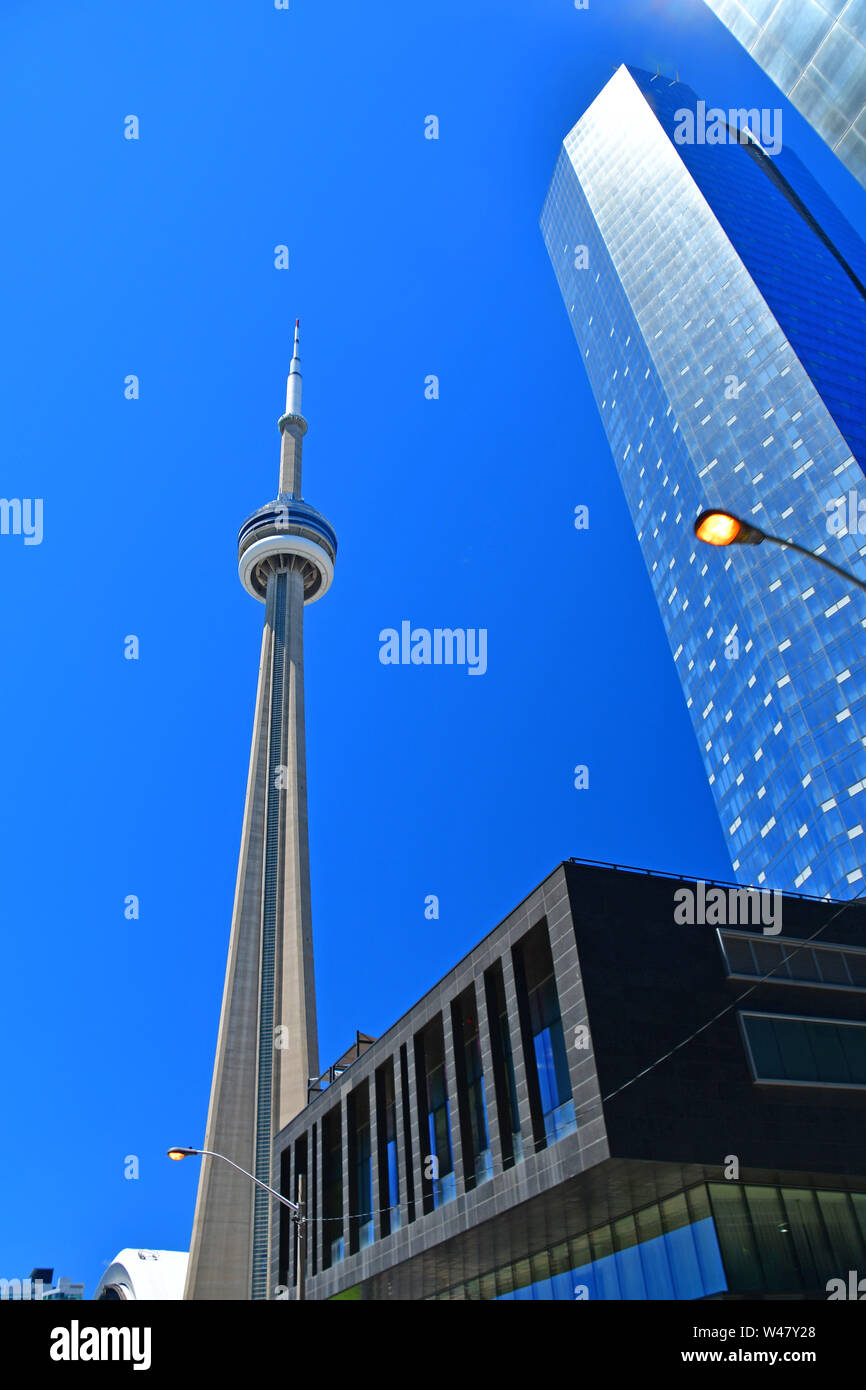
[[360, 1168], [301, 1185], [503, 1067], [437, 1178], [477, 1159], [545, 1056], [805, 1051], [658, 1253], [408, 1166], [787, 1240], [715, 1238], [333, 1248], [389, 1179], [787, 960], [313, 1243]]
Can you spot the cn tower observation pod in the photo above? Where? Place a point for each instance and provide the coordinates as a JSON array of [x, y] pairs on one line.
[[287, 534]]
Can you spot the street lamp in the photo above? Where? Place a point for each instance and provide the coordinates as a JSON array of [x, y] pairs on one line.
[[207, 1153], [717, 527], [296, 1208]]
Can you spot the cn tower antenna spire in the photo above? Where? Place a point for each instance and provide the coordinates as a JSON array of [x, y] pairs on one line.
[[293, 426], [293, 385]]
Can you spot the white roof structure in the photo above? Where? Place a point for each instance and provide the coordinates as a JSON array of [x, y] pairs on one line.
[[134, 1275]]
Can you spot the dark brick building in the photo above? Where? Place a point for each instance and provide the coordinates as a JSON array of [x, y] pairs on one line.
[[602, 1100]]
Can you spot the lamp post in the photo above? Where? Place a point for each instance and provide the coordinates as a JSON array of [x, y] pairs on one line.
[[717, 527], [296, 1208]]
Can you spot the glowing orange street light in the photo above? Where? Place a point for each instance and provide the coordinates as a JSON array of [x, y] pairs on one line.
[[723, 528], [717, 527]]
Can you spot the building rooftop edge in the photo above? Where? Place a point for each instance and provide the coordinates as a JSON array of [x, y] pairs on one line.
[[563, 865]]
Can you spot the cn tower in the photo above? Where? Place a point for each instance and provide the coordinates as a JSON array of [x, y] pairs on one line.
[[267, 1047]]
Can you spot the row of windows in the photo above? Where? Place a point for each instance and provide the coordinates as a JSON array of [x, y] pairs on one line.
[[714, 1238], [667, 1250], [454, 1112], [793, 961]]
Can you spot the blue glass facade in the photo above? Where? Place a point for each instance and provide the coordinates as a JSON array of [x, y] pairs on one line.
[[815, 51], [685, 1264], [712, 1240], [717, 298]]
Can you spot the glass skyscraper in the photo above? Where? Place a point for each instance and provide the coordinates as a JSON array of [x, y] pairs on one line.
[[717, 297], [815, 50]]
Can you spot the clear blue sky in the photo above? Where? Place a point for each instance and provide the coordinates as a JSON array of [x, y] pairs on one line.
[[408, 257]]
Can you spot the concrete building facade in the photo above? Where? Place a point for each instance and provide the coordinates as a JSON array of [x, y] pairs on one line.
[[632, 1088]]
